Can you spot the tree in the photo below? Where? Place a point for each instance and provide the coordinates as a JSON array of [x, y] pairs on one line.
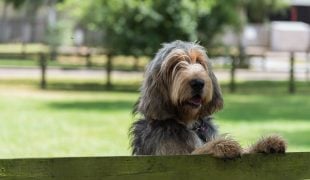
[[135, 27], [138, 27]]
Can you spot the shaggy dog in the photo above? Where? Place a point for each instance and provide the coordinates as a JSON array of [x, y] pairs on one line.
[[178, 97]]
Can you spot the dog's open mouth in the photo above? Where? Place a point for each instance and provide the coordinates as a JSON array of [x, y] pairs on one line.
[[195, 101]]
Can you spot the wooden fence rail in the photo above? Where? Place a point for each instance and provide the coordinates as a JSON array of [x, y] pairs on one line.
[[250, 167]]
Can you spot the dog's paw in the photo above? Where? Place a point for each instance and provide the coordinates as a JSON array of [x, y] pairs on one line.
[[222, 147], [269, 145]]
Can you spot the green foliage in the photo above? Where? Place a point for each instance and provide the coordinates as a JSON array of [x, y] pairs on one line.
[[139, 27], [136, 27]]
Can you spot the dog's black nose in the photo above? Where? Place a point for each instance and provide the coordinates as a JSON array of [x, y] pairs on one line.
[[197, 84]]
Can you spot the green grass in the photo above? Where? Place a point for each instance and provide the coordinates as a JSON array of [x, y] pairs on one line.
[[38, 124], [91, 121]]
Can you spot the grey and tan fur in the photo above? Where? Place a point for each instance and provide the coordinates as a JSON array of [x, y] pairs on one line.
[[178, 96]]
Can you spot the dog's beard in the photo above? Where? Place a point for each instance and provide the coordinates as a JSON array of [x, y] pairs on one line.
[[191, 109]]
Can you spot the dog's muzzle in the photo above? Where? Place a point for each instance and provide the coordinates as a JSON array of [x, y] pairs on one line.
[[197, 86]]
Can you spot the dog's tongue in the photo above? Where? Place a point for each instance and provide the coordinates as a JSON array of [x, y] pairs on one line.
[[196, 100]]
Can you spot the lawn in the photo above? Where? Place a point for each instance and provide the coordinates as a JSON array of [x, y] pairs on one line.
[[92, 121]]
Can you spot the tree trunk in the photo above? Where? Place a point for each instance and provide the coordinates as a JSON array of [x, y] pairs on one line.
[[243, 60], [32, 11]]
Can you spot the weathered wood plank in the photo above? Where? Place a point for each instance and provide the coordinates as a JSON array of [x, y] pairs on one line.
[[289, 166]]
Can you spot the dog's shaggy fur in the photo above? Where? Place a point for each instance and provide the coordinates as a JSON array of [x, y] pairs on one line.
[[178, 97]]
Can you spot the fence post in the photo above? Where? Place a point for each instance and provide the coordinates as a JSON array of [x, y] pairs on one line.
[[308, 66], [88, 60], [109, 70], [53, 54], [43, 65], [23, 50], [232, 84], [292, 88], [135, 66]]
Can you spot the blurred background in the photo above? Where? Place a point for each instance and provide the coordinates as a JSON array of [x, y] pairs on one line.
[[70, 70]]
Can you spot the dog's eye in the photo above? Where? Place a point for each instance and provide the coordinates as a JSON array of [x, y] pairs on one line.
[[203, 64], [200, 62]]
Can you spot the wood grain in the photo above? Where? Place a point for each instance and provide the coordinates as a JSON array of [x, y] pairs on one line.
[[253, 166]]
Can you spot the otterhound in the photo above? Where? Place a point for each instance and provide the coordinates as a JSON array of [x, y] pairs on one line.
[[178, 97]]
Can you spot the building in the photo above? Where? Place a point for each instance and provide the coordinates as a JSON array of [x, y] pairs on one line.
[[299, 10]]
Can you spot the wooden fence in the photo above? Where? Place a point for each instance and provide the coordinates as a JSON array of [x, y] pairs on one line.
[[249, 167], [42, 53]]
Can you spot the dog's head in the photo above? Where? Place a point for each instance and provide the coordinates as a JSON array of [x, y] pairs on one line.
[[179, 83]]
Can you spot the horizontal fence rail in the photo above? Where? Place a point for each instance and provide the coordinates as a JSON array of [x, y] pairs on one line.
[[254, 166]]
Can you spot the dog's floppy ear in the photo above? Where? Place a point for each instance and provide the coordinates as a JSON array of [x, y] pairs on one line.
[[217, 101], [154, 97], [153, 102]]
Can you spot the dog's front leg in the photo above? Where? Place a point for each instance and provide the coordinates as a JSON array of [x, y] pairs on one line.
[[268, 145], [221, 147]]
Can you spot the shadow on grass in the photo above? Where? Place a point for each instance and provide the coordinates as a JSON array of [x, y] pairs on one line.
[[269, 87], [248, 87], [91, 105], [265, 107], [260, 112], [266, 100], [134, 87]]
